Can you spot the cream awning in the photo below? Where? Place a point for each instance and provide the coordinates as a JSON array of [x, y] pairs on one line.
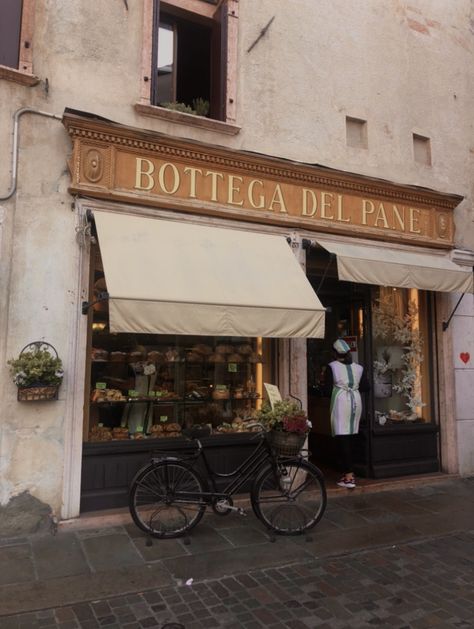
[[170, 277], [392, 266]]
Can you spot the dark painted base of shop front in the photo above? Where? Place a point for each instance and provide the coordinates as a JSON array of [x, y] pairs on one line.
[[393, 451], [108, 468], [400, 451]]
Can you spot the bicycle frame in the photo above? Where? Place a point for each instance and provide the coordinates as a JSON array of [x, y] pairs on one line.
[[244, 472]]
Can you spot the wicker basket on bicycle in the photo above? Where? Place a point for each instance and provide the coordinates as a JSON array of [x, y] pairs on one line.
[[285, 443]]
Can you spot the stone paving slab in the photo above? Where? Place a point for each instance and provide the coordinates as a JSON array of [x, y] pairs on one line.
[[80, 564], [400, 587]]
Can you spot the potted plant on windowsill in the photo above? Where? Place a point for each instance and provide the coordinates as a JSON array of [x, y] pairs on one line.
[[37, 372], [287, 426]]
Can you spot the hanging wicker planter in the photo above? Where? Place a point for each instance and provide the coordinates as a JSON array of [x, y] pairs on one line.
[[285, 443], [37, 372], [38, 393]]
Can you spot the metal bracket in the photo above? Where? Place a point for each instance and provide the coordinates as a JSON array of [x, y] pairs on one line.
[[445, 324], [86, 304]]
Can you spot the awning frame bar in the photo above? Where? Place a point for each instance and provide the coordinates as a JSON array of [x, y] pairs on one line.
[[445, 324]]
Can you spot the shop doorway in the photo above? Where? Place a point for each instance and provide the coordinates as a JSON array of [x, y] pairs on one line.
[[347, 316], [385, 326]]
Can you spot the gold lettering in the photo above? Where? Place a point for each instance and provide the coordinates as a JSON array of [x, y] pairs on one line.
[[214, 176], [192, 181], [261, 198], [278, 199], [381, 216], [140, 172], [232, 189], [314, 203], [326, 204], [340, 209], [365, 205], [399, 217], [414, 221], [162, 175]]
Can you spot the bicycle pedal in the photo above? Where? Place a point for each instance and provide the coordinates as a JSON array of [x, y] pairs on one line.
[[241, 511]]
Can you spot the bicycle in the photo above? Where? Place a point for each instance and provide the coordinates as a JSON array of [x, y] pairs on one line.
[[168, 497]]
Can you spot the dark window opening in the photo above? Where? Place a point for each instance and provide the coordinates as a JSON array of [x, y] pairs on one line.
[[189, 64], [10, 29]]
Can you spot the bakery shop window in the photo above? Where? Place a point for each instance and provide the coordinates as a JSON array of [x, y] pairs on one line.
[[402, 357], [147, 386]]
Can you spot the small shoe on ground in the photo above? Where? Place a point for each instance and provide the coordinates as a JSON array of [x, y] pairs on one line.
[[348, 483]]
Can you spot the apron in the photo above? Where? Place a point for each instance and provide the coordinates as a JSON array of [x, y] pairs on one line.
[[346, 403]]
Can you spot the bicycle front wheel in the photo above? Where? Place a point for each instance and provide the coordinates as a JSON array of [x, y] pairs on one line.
[[166, 499], [289, 497]]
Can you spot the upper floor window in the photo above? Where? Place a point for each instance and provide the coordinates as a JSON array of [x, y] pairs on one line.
[[190, 57], [16, 33], [10, 29]]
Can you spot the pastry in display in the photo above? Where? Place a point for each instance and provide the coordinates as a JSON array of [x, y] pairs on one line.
[[224, 349], [138, 435], [156, 430], [238, 393], [172, 355], [100, 433], [117, 357], [154, 356], [194, 357], [172, 427], [107, 395], [234, 358], [135, 356], [245, 350], [120, 433], [216, 358], [99, 355], [200, 348], [221, 393]]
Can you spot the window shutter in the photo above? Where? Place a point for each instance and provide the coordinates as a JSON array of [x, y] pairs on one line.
[[10, 28], [154, 53], [219, 62]]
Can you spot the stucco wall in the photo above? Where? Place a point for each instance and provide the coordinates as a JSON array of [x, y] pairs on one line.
[[405, 67]]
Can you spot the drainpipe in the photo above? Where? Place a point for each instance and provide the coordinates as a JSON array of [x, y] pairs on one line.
[[16, 122]]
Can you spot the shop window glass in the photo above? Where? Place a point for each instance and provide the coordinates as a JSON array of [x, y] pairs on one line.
[[189, 58], [10, 28], [145, 386], [401, 357]]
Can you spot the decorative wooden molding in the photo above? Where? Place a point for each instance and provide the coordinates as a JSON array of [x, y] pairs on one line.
[[156, 170]]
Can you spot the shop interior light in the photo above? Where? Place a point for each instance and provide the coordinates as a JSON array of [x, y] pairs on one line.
[[99, 327]]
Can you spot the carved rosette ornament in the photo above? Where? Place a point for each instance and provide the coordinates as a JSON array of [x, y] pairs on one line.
[[93, 165]]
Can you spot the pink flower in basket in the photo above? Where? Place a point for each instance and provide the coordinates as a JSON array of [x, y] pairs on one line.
[[296, 424]]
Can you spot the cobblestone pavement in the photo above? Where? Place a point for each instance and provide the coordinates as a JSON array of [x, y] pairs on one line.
[[418, 585]]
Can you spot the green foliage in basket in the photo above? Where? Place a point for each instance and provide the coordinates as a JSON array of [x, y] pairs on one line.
[[286, 416], [36, 367]]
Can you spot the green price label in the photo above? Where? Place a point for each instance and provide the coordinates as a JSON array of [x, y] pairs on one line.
[[232, 367], [163, 418], [132, 393], [151, 393], [100, 385], [221, 387]]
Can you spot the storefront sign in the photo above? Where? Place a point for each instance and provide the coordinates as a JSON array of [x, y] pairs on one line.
[[115, 162]]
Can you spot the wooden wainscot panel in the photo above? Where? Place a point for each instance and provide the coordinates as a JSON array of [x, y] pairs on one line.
[[115, 162]]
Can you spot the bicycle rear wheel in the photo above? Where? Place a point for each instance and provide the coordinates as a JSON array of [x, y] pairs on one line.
[[166, 499], [289, 497]]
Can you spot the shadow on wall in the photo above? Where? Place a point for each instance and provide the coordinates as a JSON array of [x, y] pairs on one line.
[[24, 515]]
